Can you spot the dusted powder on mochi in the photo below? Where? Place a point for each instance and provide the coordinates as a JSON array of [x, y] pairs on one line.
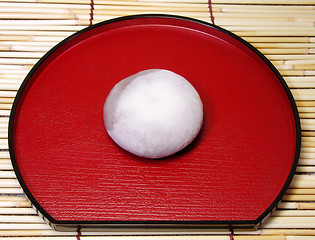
[[153, 113]]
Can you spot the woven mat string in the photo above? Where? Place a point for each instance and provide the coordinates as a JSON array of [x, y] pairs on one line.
[[211, 12], [91, 12], [231, 233], [78, 233]]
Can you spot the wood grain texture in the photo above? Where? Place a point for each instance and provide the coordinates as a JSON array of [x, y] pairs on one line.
[[18, 35]]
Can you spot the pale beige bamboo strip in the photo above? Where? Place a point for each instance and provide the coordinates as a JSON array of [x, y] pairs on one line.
[[268, 51], [284, 21], [10, 68], [6, 166], [304, 67], [278, 39], [271, 7], [272, 28], [131, 1], [292, 72], [32, 13], [277, 62], [9, 183], [28, 1], [3, 135], [166, 237], [7, 106], [15, 37], [294, 213], [273, 33], [10, 191], [20, 219], [14, 44], [11, 54], [36, 4], [308, 111], [301, 191], [298, 237], [12, 198], [97, 19], [34, 33], [308, 132], [307, 155], [118, 3], [36, 16], [305, 177], [309, 72], [18, 61], [284, 45], [86, 4], [290, 222], [291, 57], [224, 21], [303, 169], [38, 233], [294, 198], [15, 78], [296, 183], [7, 174], [133, 238], [26, 226], [308, 16], [73, 27], [303, 94], [5, 160], [306, 162], [17, 211], [169, 7], [47, 238], [300, 84], [4, 120], [307, 149], [295, 205], [26, 10], [118, 13], [296, 232], [4, 155], [261, 2], [4, 113], [292, 11], [14, 202], [306, 206], [4, 47], [210, 237], [306, 121], [12, 24], [301, 64], [55, 39], [29, 47], [128, 233]]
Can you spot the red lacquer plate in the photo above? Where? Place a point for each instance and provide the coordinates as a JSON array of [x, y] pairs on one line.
[[233, 174]]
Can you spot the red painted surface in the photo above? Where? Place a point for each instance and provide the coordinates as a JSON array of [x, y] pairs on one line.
[[235, 168]]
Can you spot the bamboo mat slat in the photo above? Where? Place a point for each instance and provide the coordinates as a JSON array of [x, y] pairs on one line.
[[283, 30]]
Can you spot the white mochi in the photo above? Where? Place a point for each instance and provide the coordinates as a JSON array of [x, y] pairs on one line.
[[153, 114]]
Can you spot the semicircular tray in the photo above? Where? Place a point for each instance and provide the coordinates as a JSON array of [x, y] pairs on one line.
[[234, 173]]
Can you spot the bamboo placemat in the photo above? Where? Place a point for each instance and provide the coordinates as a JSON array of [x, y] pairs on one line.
[[283, 30]]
